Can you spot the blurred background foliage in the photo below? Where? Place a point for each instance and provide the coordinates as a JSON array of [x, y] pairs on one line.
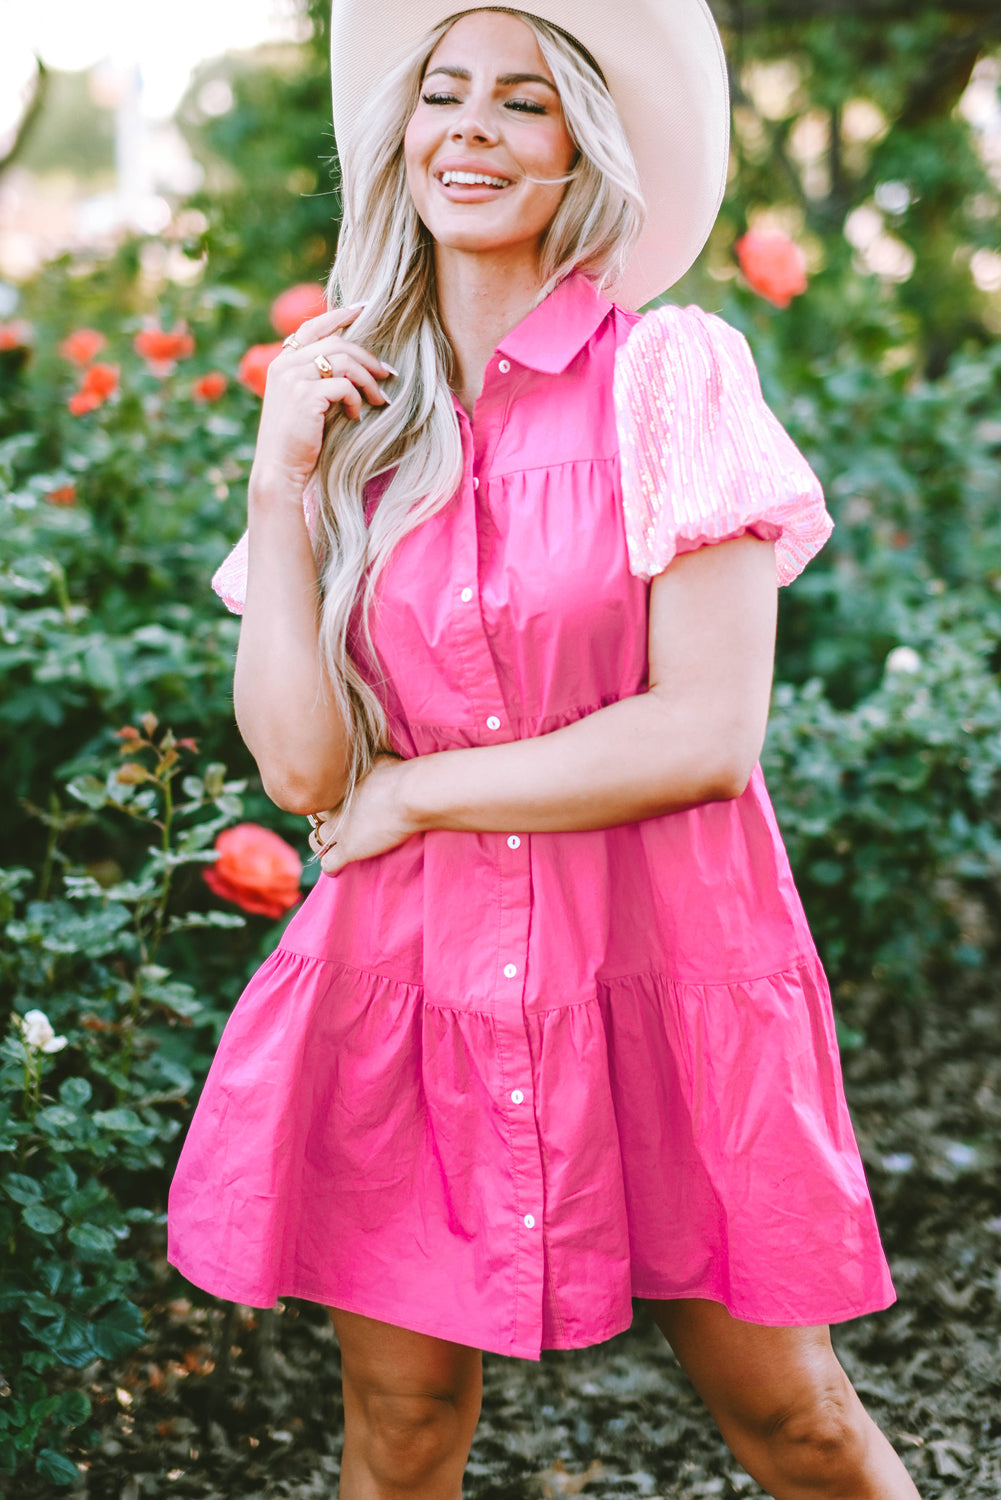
[[869, 133]]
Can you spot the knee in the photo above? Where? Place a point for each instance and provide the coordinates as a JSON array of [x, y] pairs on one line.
[[408, 1438], [821, 1442]]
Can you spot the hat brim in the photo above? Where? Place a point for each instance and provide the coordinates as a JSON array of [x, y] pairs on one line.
[[664, 64]]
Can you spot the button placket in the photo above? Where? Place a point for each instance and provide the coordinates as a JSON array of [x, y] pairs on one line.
[[509, 941], [472, 651]]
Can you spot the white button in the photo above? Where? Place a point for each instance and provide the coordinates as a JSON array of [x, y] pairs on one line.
[[493, 722], [510, 970], [514, 842], [517, 1097], [476, 484], [466, 595], [529, 1221], [504, 366]]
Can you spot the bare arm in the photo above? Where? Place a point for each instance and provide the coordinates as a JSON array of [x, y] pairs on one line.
[[694, 737], [285, 707]]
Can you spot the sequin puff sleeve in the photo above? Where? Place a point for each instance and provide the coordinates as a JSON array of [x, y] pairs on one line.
[[230, 578], [703, 458]]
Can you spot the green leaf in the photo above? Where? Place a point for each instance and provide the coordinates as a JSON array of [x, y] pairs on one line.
[[74, 1408], [89, 791], [91, 1240], [57, 1118], [22, 1189], [214, 779], [41, 1219], [75, 1092], [68, 1337], [56, 1467], [122, 1121], [195, 919], [120, 1330]]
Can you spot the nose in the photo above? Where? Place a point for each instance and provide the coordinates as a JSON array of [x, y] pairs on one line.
[[471, 124]]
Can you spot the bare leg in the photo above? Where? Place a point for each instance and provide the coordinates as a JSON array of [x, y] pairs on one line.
[[411, 1404], [784, 1405]]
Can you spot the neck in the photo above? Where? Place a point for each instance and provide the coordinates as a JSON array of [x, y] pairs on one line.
[[480, 299]]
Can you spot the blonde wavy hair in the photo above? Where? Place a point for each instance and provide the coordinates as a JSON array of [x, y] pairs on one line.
[[385, 258]]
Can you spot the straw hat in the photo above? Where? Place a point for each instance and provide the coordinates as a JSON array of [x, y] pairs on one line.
[[664, 64]]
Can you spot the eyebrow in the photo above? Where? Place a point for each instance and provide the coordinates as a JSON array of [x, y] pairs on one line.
[[506, 80]]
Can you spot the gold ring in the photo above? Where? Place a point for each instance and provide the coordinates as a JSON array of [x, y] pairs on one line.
[[315, 821], [324, 366], [291, 342]]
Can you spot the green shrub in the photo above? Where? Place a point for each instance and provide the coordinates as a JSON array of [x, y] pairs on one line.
[[93, 1083], [889, 808]]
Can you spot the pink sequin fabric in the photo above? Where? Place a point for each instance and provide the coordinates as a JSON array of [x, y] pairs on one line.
[[703, 458]]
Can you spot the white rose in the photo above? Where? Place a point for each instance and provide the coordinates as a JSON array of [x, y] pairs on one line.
[[38, 1032], [903, 659]]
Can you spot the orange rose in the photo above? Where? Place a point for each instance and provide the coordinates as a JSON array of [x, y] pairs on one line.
[[253, 371], [15, 335], [83, 345], [161, 350], [774, 265], [64, 495], [99, 382], [290, 310], [256, 870], [210, 387]]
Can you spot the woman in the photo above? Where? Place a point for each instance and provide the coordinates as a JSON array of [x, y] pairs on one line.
[[553, 1034]]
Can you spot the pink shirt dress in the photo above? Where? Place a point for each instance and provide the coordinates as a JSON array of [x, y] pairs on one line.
[[492, 1086]]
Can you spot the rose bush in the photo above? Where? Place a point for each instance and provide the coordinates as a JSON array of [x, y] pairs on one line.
[[256, 870], [293, 307], [253, 367], [99, 382], [774, 265], [210, 387], [161, 349], [87, 1114], [82, 345]]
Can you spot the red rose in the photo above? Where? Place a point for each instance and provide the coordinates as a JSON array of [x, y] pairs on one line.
[[82, 345], [774, 265], [15, 335], [290, 310], [256, 870], [64, 495], [253, 371], [99, 382], [210, 387], [161, 350]]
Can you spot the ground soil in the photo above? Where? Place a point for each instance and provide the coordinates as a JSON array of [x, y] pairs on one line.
[[228, 1404]]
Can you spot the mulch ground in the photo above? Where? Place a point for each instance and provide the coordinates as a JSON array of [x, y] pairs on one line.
[[229, 1404]]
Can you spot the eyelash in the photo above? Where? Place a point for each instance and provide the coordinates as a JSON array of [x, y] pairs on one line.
[[523, 106]]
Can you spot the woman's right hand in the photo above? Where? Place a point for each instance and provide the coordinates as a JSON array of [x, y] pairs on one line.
[[298, 396]]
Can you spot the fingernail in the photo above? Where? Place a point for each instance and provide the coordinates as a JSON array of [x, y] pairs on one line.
[[387, 366], [357, 306], [386, 401]]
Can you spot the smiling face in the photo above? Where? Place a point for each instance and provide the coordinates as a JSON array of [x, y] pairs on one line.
[[488, 122]]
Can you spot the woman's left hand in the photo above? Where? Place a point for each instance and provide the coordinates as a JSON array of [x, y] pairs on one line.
[[375, 823]]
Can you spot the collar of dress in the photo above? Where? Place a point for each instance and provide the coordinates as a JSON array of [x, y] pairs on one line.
[[556, 331]]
